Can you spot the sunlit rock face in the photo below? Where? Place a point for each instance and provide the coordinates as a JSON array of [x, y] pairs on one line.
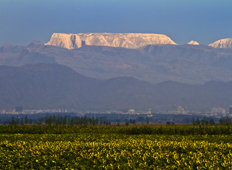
[[193, 43], [125, 40], [222, 43]]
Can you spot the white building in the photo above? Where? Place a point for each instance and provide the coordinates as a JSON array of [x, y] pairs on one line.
[[218, 110]]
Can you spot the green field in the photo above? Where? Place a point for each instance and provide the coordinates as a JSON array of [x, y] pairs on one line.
[[73, 147]]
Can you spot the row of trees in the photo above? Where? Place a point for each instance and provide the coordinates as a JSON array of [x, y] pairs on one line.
[[222, 121], [225, 121], [58, 120], [202, 122], [64, 120], [75, 120]]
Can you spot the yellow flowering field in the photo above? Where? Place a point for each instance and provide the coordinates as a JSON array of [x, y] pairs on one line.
[[114, 151]]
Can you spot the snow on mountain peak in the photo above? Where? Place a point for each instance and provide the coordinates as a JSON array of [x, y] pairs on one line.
[[222, 43], [125, 40], [192, 42]]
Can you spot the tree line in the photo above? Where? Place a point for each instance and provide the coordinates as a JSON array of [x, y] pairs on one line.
[[58, 120], [84, 120], [223, 121]]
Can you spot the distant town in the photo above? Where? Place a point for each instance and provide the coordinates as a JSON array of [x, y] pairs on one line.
[[177, 115]]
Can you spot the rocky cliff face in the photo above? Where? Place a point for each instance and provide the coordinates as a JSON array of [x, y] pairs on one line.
[[125, 40], [222, 43]]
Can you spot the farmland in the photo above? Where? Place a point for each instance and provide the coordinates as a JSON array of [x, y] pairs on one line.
[[95, 147]]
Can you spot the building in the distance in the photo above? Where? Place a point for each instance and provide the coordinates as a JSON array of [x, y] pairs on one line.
[[218, 110], [180, 110], [131, 111]]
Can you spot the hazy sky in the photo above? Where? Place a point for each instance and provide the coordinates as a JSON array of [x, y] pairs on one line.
[[22, 21]]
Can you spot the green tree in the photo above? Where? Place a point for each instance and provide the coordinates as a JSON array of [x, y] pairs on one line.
[[40, 121], [96, 121], [147, 121], [54, 119], [21, 122], [17, 120], [69, 122], [65, 120], [13, 122], [26, 120], [193, 121], [211, 122], [225, 121], [198, 121], [134, 121], [168, 123], [202, 121], [221, 121]]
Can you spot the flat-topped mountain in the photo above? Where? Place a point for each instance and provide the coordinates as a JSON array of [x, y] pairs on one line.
[[222, 43], [125, 40]]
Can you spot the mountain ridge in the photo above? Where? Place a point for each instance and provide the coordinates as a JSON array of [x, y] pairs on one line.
[[51, 85], [152, 63]]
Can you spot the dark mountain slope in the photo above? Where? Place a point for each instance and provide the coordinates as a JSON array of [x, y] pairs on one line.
[[42, 85], [52, 85]]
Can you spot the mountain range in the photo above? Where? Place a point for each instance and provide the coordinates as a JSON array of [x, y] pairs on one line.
[[189, 63], [44, 86], [124, 40]]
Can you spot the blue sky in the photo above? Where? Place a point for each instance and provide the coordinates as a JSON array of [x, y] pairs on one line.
[[22, 21]]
